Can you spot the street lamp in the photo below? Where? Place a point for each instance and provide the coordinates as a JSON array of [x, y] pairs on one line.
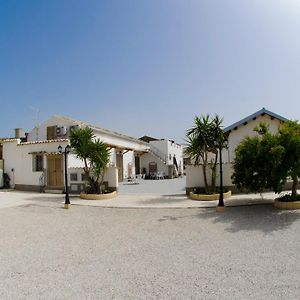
[[66, 151], [220, 143]]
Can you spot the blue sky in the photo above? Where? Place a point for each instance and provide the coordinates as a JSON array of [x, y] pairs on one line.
[[147, 66]]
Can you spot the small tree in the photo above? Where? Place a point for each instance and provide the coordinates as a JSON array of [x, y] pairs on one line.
[[257, 162], [268, 160], [94, 154], [289, 138], [203, 142]]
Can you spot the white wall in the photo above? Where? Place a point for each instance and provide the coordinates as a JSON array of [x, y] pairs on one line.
[[120, 142], [161, 145], [177, 150], [236, 136], [147, 158], [194, 175], [110, 175], [107, 137], [128, 158], [16, 156], [167, 148]]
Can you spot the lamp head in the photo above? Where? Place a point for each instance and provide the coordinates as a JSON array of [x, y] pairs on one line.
[[68, 149]]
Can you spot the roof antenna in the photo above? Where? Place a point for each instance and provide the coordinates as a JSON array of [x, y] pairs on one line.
[[36, 121]]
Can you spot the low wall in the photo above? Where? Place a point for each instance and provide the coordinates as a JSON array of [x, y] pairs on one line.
[[194, 175], [110, 179]]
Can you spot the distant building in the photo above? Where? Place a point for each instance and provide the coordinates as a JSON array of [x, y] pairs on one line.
[[163, 160], [34, 161]]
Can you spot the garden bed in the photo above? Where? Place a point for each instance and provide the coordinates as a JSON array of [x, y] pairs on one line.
[[105, 196], [208, 197], [287, 202]]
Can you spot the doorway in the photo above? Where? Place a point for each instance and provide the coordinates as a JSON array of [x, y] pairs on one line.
[[55, 171], [119, 164]]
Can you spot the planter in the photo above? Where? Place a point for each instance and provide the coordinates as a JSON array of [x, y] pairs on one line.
[[287, 205], [98, 196], [205, 197]]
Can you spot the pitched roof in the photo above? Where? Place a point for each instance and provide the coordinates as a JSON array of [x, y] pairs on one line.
[[102, 130], [261, 112]]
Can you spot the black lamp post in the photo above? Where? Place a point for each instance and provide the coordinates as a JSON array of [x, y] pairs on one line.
[[221, 197], [220, 207], [66, 151]]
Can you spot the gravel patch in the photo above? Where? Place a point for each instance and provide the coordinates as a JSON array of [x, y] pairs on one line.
[[48, 252]]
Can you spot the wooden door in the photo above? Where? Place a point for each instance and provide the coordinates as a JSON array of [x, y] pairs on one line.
[[55, 171], [152, 167], [119, 163]]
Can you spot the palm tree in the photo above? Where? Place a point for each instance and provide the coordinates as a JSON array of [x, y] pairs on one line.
[[203, 142], [94, 154]]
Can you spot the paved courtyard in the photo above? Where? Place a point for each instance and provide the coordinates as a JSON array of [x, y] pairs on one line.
[[174, 186], [47, 252]]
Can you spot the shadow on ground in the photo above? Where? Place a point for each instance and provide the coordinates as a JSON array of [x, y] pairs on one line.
[[265, 218]]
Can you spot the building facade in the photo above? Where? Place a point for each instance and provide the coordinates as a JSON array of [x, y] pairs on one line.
[[36, 163]]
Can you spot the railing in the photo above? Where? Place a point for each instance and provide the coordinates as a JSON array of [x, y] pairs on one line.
[[159, 154]]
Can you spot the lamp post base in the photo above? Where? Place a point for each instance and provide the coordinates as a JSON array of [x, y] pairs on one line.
[[67, 206], [220, 209]]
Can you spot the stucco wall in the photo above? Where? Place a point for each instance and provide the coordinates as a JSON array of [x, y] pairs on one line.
[[177, 150], [194, 175], [236, 136], [169, 148], [18, 161], [128, 158], [110, 176], [147, 158]]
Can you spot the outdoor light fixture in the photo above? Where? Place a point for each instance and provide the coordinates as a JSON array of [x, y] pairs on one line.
[[66, 152], [221, 144]]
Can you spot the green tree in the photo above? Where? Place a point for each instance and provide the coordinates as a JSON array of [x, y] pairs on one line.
[[203, 142], [289, 138], [257, 162], [266, 161], [94, 154]]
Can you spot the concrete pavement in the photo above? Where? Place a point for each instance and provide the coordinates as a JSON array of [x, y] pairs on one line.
[[146, 200]]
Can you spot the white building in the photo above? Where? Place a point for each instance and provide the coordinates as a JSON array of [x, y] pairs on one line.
[[236, 133], [37, 162], [165, 158]]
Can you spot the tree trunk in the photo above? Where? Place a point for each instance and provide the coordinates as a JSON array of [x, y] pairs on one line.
[[214, 173], [294, 186], [204, 168]]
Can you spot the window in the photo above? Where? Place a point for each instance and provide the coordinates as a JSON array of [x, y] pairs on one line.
[[38, 163], [170, 157], [73, 177], [83, 177]]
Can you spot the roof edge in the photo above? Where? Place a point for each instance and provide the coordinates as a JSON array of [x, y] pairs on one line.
[[254, 115]]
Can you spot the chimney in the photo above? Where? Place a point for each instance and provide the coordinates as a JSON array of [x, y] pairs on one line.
[[19, 133]]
